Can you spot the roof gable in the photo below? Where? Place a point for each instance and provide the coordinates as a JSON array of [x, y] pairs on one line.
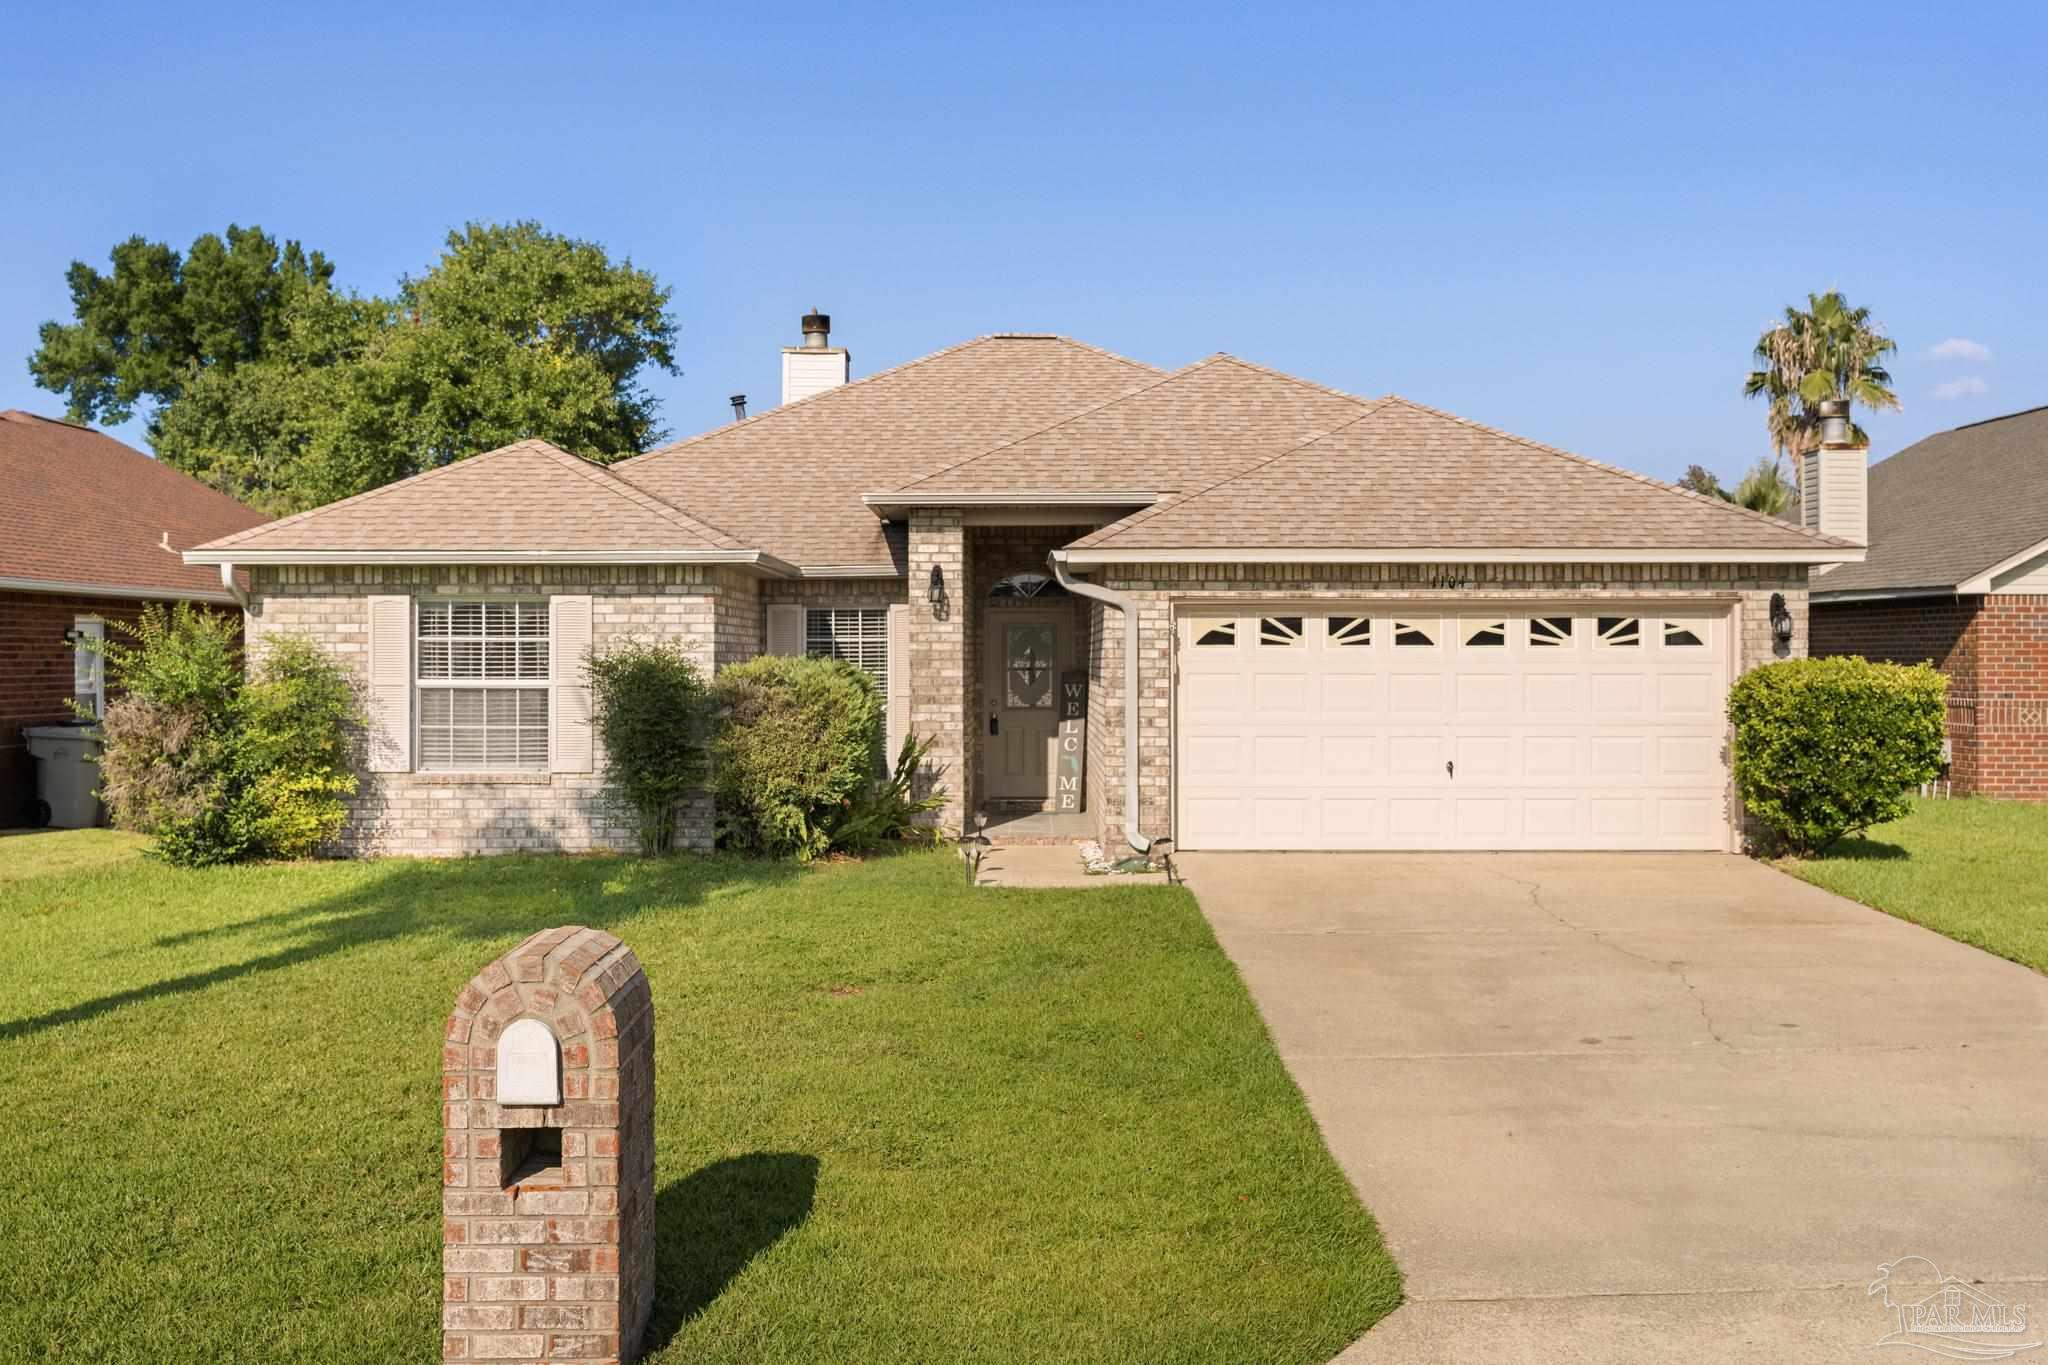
[[1946, 509], [1403, 476], [528, 498], [84, 509], [790, 479]]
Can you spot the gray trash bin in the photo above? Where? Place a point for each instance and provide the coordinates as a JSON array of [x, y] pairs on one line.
[[67, 773]]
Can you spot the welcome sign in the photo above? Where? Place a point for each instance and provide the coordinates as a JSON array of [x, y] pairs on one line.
[[1072, 742]]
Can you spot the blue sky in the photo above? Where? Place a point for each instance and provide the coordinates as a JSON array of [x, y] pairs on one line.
[[1571, 227]]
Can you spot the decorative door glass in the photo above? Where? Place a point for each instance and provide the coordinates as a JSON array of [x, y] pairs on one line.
[[1027, 668]]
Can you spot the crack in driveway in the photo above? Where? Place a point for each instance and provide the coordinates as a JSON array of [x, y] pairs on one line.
[[1675, 967]]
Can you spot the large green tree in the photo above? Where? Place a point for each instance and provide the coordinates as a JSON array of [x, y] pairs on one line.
[[146, 330], [514, 332]]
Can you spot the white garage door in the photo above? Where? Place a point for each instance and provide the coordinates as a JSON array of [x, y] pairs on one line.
[[1370, 727]]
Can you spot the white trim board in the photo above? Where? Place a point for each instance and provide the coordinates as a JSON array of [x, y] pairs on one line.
[[766, 564], [51, 585], [1090, 558]]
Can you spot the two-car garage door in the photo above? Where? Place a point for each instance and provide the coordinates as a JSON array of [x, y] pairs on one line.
[[1381, 727]]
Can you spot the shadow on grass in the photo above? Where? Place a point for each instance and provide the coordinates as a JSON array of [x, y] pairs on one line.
[[711, 1223], [1865, 851], [495, 901]]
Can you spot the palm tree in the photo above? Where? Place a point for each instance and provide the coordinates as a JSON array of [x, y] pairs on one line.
[[1827, 351], [1765, 489]]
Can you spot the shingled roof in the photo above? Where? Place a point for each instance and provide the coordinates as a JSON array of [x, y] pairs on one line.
[[84, 511], [1952, 507], [528, 500], [791, 479], [1401, 476]]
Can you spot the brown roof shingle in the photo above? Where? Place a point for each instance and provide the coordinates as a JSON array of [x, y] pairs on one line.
[[529, 497], [1399, 475], [790, 480], [83, 508], [1945, 509], [1185, 430]]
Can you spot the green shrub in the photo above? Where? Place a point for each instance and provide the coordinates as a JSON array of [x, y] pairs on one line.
[[297, 715], [649, 704], [883, 811], [167, 762], [1830, 747], [796, 740], [215, 766]]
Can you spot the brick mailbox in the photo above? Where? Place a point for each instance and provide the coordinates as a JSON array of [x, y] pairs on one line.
[[548, 1155]]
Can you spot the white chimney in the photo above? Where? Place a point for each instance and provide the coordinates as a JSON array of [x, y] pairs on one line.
[[1834, 480], [817, 365]]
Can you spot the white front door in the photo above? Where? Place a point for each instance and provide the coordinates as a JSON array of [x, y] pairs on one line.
[[1024, 650], [1378, 726]]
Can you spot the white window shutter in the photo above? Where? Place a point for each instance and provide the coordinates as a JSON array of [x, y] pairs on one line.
[[898, 713], [569, 707], [785, 628], [390, 684]]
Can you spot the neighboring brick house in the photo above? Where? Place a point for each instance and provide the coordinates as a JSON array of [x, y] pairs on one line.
[[90, 531], [1957, 574], [1305, 619]]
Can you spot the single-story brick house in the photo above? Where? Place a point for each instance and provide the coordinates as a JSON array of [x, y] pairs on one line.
[[1957, 573], [1303, 619], [91, 530]]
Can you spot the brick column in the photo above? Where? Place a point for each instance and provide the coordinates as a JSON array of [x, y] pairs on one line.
[[548, 1209], [944, 677]]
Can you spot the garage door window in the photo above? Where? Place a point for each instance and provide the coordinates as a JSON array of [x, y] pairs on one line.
[[1685, 634], [1281, 631], [1486, 634], [1414, 635], [1349, 632], [1620, 632], [1218, 636], [1550, 632]]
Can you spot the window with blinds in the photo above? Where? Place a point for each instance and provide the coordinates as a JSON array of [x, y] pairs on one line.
[[860, 637], [483, 686]]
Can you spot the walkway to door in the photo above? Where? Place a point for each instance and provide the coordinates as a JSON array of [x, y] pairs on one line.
[[1626, 1107]]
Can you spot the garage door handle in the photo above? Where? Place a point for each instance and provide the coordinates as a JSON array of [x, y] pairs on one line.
[[1450, 768], [992, 725]]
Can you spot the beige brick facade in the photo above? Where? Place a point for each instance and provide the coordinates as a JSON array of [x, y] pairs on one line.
[[548, 1210], [715, 611]]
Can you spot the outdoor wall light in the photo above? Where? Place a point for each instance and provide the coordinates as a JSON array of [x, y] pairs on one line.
[[1781, 619], [938, 589]]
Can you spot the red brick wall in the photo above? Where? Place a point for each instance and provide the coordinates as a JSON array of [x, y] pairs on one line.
[[1994, 650], [35, 679]]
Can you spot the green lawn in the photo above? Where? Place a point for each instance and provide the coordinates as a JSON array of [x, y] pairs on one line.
[[1974, 870], [898, 1120]]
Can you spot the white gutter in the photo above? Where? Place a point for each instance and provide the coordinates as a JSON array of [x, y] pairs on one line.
[[1129, 608], [1090, 558], [752, 559], [53, 585]]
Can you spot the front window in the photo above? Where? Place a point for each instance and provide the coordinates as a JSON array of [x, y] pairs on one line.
[[483, 686], [859, 636]]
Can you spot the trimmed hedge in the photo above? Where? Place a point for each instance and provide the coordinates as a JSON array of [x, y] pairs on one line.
[[797, 742], [1829, 747], [649, 703]]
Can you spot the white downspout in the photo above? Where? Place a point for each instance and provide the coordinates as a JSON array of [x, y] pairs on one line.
[[227, 580], [1129, 608]]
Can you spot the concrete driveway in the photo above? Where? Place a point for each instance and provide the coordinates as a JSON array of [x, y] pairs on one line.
[[1636, 1107]]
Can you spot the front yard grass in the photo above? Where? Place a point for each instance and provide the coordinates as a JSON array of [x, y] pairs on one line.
[[1975, 870], [896, 1120]]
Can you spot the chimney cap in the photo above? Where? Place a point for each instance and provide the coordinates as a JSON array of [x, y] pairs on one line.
[[817, 328], [1834, 421]]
